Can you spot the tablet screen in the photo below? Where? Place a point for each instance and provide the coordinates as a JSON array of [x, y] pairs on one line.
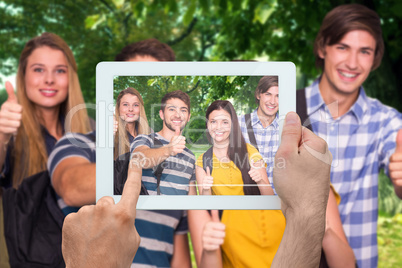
[[178, 188]]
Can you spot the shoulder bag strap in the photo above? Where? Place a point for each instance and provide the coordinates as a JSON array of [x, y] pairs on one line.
[[250, 131]]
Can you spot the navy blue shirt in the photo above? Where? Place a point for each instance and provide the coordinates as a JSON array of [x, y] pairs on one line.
[[7, 172], [130, 137]]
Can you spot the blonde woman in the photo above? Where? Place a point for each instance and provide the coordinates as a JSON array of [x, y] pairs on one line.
[[36, 117], [130, 120]]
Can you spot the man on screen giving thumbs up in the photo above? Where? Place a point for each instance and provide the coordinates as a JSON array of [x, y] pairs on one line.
[[164, 232]]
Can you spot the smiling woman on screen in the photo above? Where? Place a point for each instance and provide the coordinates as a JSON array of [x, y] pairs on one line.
[[130, 120]]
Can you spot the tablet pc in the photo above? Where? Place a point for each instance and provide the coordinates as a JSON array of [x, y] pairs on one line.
[[108, 82]]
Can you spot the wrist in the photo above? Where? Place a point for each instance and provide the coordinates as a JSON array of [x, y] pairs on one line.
[[5, 138], [260, 182], [301, 217], [167, 150], [206, 191]]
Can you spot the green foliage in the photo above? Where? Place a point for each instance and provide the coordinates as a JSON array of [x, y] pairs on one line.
[[389, 224], [203, 90], [388, 202], [196, 30], [389, 241], [3, 96]]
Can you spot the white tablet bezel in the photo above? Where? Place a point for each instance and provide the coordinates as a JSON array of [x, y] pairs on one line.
[[106, 71]]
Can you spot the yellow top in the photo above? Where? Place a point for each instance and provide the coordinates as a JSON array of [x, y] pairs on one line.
[[227, 177], [337, 196], [252, 236]]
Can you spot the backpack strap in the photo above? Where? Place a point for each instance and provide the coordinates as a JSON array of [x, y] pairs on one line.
[[207, 160], [159, 169], [250, 131], [301, 108], [220, 213]]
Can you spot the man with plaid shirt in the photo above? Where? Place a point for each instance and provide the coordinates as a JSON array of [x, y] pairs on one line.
[[360, 131], [263, 122]]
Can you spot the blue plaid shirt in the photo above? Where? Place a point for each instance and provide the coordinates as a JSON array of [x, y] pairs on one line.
[[361, 142], [267, 139]]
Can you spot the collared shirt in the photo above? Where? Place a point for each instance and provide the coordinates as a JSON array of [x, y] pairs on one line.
[[361, 142], [267, 139]]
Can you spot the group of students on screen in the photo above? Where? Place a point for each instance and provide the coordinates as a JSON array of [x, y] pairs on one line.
[[34, 119]]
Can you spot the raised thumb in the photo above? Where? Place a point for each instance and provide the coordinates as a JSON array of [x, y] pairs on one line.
[[10, 93], [398, 148], [177, 132], [291, 133]]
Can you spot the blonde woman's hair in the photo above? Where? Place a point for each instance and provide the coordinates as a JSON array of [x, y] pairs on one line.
[[30, 154], [121, 141]]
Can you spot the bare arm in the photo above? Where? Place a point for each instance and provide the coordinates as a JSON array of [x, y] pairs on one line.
[[395, 166], [211, 259], [337, 251], [74, 179], [151, 157], [306, 166], [204, 181], [104, 235], [196, 222], [213, 235], [258, 174], [10, 120], [181, 254]]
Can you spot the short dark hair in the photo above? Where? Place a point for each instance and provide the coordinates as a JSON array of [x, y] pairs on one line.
[[343, 19], [265, 83], [149, 47], [177, 94]]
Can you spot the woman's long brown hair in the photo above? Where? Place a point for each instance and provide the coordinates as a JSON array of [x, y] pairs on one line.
[[121, 141], [30, 154], [237, 150]]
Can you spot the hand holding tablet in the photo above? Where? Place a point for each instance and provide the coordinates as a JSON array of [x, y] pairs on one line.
[[303, 186], [105, 229]]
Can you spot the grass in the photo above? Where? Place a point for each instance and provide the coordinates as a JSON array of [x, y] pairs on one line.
[[389, 224], [388, 202], [389, 240]]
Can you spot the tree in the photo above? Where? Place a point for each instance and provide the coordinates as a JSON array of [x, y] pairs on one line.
[[202, 91], [196, 30]]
